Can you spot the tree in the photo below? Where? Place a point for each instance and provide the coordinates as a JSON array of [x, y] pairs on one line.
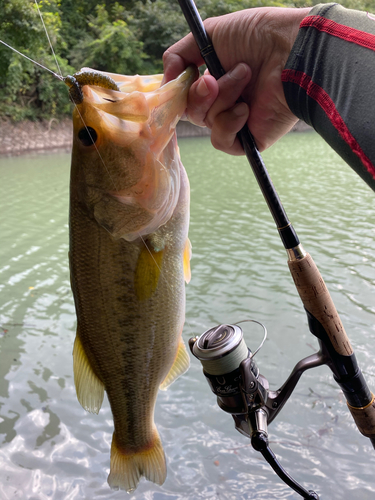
[[110, 44], [28, 91]]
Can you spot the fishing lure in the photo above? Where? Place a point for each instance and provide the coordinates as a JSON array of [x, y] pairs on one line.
[[85, 77]]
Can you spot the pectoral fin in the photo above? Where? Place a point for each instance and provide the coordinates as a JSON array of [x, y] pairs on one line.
[[180, 366], [147, 272], [186, 261], [89, 388]]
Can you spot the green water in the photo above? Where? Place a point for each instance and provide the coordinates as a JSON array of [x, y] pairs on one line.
[[51, 449]]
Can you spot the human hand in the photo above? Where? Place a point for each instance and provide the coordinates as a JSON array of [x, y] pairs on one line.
[[253, 46]]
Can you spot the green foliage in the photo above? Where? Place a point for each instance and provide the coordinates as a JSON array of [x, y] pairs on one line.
[[211, 8], [127, 36], [109, 44], [159, 24], [27, 90]]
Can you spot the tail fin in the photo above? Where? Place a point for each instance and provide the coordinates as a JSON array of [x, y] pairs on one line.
[[127, 469]]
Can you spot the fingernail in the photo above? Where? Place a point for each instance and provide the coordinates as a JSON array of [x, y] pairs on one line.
[[202, 89], [239, 72], [240, 109]]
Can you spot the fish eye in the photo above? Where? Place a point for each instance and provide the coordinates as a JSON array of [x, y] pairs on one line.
[[88, 136]]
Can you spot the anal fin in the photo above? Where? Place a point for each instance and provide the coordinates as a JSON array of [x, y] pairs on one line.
[[89, 388], [128, 468], [180, 366]]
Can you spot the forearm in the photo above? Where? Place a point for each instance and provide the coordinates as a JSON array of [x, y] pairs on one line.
[[328, 82]]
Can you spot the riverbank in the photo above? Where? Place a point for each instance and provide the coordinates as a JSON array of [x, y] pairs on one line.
[[26, 137]]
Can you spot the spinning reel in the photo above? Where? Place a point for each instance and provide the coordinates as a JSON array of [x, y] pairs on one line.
[[233, 375]]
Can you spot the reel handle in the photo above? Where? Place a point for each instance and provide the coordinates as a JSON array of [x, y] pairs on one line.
[[326, 324]]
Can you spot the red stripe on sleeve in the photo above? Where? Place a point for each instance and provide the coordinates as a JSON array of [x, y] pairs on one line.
[[340, 31], [325, 102]]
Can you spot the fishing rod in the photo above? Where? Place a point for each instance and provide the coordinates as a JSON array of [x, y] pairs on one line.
[[228, 364]]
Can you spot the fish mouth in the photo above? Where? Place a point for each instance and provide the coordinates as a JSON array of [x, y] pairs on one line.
[[133, 132], [137, 94], [119, 116]]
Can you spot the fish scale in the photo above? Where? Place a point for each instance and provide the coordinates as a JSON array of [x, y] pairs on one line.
[[129, 291]]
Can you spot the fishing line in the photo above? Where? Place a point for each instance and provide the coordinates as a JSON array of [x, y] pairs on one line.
[[61, 78], [96, 148], [48, 38], [32, 60]]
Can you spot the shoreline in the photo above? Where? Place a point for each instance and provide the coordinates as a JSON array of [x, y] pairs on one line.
[[45, 136]]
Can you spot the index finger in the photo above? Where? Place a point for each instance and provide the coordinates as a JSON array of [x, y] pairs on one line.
[[178, 57]]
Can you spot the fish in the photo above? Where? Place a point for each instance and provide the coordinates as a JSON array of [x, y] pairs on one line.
[[129, 258]]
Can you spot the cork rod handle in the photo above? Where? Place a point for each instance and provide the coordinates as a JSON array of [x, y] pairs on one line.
[[318, 302]]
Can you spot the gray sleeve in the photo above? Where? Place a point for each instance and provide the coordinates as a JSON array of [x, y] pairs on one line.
[[329, 82]]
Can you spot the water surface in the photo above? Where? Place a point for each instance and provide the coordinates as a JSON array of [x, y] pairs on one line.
[[51, 449]]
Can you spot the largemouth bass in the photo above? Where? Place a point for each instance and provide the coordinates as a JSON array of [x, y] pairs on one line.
[[129, 257]]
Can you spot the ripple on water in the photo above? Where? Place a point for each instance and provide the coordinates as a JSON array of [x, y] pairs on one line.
[[51, 448]]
